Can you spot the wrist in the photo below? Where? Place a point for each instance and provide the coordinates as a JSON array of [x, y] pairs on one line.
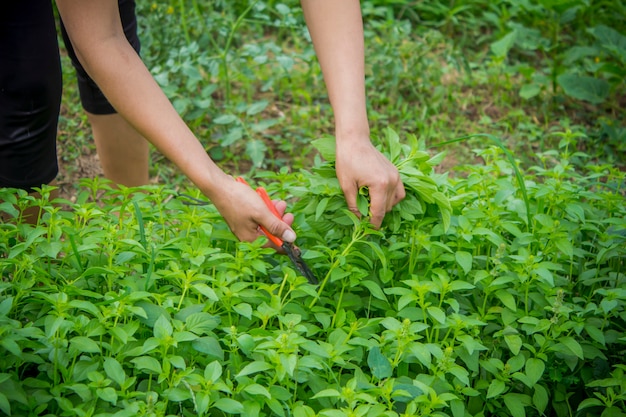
[[212, 181], [352, 135]]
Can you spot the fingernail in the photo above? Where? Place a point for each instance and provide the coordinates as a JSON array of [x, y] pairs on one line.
[[289, 236]]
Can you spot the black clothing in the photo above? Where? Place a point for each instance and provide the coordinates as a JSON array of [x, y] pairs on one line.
[[31, 87]]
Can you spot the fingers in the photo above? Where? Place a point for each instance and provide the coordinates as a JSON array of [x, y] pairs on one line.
[[383, 197], [280, 227], [360, 164], [350, 192], [245, 211], [281, 206]]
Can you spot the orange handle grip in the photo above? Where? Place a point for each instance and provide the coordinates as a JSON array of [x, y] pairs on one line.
[[268, 202]]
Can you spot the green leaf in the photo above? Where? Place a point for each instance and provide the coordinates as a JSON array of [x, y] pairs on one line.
[[148, 363], [379, 364], [232, 136], [534, 369], [590, 402], [544, 275], [243, 309], [85, 306], [514, 342], [393, 143], [326, 147], [263, 125], [584, 88], [501, 47], [421, 353], [460, 286], [289, 363], [5, 306], [496, 387], [303, 411], [209, 346], [332, 413], [207, 291], [374, 289], [114, 370], [254, 367], [257, 389], [229, 406], [529, 91], [515, 406], [540, 398], [162, 328], [82, 390], [213, 371], [565, 246], [327, 393], [607, 382], [611, 40], [201, 323], [10, 209], [572, 346], [177, 394], [286, 62], [257, 107], [84, 344], [5, 406], [177, 361], [107, 394], [507, 299], [471, 344], [321, 206], [50, 249], [461, 373], [437, 313], [458, 408], [256, 149], [464, 259], [225, 119]]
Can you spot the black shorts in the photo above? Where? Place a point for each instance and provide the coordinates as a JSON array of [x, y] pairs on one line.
[[31, 88]]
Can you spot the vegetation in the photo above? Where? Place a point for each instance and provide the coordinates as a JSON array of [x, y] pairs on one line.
[[496, 288]]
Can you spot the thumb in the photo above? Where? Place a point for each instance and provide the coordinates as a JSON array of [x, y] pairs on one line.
[[278, 228]]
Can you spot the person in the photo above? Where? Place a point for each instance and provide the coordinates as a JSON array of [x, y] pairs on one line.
[[31, 79]]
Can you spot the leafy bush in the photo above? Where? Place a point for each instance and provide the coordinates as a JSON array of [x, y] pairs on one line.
[[474, 299]]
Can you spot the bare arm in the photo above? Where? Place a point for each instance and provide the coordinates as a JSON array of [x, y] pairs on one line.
[[96, 33], [336, 28]]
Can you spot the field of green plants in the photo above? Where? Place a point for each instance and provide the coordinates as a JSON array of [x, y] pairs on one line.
[[497, 287]]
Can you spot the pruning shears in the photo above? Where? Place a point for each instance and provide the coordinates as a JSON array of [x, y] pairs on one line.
[[292, 251]]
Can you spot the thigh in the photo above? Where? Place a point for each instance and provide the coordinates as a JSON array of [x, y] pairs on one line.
[[30, 93]]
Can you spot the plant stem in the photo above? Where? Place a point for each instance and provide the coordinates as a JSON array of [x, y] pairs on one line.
[[332, 323], [183, 21], [229, 41]]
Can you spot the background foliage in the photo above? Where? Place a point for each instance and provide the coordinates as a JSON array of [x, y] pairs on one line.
[[496, 288]]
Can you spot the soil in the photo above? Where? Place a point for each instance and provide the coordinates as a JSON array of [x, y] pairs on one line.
[[87, 165]]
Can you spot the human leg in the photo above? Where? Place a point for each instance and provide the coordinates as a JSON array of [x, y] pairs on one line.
[[30, 94], [124, 153]]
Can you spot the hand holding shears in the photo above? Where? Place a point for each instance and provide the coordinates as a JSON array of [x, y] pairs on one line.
[[292, 251]]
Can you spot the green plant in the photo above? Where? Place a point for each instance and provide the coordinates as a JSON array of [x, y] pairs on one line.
[[588, 68], [131, 302]]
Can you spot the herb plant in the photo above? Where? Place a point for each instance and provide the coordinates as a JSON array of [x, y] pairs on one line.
[[132, 302]]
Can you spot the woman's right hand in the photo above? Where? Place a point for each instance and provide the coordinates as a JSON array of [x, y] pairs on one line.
[[244, 211]]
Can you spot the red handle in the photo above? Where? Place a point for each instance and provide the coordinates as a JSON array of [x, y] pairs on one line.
[[268, 202]]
